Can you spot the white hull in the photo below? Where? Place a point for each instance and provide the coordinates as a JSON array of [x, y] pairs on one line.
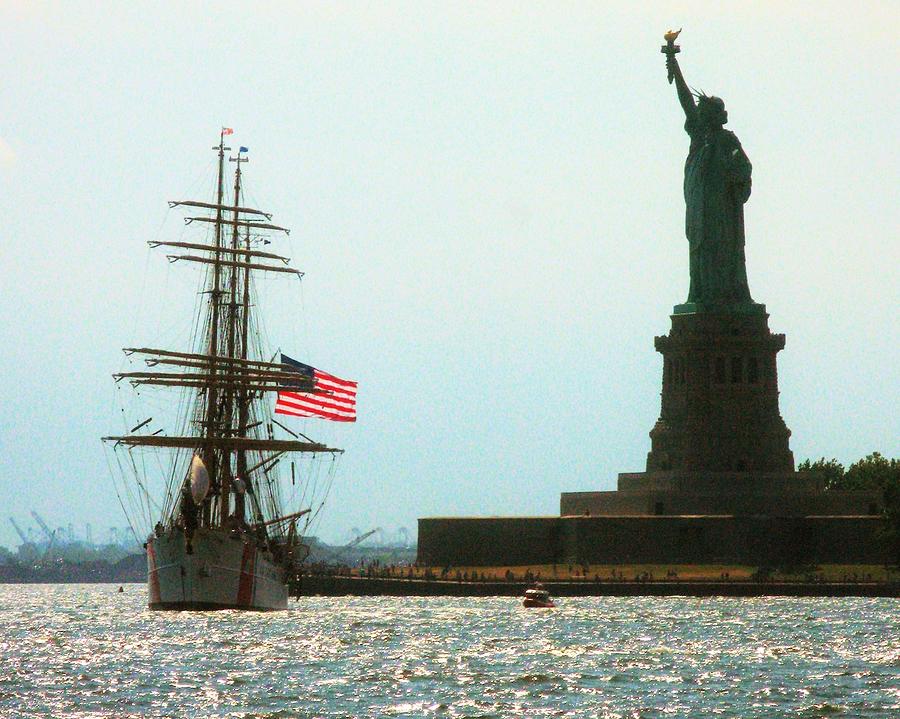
[[223, 572]]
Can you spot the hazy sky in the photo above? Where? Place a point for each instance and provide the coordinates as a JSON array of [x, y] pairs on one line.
[[486, 198]]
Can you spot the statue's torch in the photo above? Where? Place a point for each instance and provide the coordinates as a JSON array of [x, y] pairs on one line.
[[670, 49]]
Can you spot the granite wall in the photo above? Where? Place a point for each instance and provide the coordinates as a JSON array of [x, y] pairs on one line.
[[747, 540]]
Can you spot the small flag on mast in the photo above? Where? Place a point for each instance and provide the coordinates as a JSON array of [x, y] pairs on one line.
[[243, 149], [333, 398], [227, 131]]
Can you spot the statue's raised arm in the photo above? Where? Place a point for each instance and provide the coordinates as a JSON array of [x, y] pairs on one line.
[[670, 49]]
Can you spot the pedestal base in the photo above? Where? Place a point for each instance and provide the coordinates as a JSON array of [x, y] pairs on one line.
[[774, 494]]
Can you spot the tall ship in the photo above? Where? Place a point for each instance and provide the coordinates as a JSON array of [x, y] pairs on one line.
[[225, 510]]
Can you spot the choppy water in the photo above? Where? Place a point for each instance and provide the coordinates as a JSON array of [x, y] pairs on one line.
[[87, 651]]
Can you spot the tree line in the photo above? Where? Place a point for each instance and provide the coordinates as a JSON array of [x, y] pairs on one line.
[[873, 472]]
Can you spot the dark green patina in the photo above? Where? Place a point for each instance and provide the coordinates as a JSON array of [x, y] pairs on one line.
[[716, 186]]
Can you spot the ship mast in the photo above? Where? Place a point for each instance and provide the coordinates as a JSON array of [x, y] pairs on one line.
[[243, 399], [210, 426], [237, 273]]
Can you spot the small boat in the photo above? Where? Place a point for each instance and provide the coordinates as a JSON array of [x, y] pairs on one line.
[[537, 596]]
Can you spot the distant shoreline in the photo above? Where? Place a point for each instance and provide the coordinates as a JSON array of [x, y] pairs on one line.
[[131, 568], [332, 586], [342, 586]]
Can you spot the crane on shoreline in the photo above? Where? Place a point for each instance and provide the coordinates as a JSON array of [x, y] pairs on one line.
[[43, 525], [20, 531]]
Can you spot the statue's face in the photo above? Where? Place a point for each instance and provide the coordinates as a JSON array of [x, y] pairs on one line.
[[712, 111]]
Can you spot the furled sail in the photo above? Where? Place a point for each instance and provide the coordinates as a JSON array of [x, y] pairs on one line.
[[199, 479]]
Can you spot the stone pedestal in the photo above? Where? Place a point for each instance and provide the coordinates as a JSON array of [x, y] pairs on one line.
[[720, 395], [720, 446]]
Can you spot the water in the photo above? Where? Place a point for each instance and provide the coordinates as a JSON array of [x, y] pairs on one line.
[[87, 651]]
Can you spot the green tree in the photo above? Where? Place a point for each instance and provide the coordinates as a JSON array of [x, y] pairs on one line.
[[873, 472], [892, 517], [831, 469], [877, 472]]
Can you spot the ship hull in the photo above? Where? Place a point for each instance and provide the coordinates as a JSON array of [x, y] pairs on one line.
[[223, 571]]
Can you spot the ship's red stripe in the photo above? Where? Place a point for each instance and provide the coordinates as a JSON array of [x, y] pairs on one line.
[[245, 584], [153, 575]]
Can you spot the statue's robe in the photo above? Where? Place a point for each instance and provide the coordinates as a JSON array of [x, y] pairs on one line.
[[716, 186]]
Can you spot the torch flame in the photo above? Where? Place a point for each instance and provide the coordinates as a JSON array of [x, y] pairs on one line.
[[671, 35]]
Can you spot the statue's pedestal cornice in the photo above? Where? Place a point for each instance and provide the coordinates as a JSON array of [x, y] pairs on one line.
[[703, 308]]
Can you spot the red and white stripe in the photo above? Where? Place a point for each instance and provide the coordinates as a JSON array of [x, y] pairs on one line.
[[338, 404]]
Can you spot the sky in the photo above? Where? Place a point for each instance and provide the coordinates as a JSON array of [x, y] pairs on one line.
[[486, 200]]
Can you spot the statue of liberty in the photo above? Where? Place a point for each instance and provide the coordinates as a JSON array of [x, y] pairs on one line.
[[716, 186]]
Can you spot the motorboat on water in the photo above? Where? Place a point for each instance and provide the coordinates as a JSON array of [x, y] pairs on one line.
[[537, 597]]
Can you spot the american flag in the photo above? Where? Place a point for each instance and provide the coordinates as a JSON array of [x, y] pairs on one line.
[[334, 398]]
